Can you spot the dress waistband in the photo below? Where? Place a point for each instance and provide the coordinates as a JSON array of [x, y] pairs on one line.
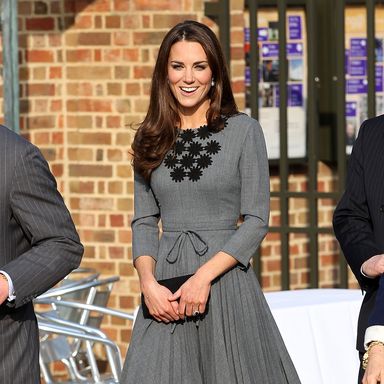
[[200, 226]]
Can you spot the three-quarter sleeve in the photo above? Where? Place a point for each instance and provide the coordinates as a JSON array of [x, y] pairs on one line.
[[145, 228], [254, 207]]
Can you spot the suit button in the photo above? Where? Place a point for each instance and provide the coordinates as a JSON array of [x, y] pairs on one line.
[[382, 208]]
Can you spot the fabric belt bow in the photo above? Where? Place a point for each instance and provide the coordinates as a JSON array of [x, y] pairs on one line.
[[198, 244]]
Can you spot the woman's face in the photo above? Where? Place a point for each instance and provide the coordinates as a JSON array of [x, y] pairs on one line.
[[189, 76]]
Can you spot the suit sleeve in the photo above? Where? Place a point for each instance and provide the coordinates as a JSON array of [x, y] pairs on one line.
[[145, 228], [41, 213], [254, 174], [351, 221]]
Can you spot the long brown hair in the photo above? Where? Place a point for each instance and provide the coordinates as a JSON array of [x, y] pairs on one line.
[[157, 133]]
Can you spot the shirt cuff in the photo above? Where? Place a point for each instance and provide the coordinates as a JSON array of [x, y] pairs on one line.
[[361, 271], [11, 291], [373, 333]]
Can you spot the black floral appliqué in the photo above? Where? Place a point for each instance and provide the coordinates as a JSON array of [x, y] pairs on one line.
[[178, 174], [192, 154]]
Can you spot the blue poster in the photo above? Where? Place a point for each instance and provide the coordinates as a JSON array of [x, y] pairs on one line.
[[270, 50], [379, 78], [294, 27], [262, 34], [357, 67], [346, 61], [350, 108], [294, 49], [295, 95], [358, 47], [357, 86]]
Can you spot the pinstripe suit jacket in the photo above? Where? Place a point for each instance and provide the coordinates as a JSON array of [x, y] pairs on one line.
[[359, 218], [38, 247]]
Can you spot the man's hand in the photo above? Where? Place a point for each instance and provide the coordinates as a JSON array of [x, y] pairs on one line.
[[375, 368], [4, 288], [374, 266]]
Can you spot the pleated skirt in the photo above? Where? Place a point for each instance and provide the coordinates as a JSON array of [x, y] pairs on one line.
[[236, 341]]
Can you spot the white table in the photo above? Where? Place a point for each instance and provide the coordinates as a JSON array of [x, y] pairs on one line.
[[319, 329]]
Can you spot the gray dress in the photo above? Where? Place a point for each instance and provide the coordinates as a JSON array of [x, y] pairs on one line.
[[205, 183]]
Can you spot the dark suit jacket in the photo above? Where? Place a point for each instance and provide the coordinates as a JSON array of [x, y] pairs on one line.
[[38, 247], [359, 217]]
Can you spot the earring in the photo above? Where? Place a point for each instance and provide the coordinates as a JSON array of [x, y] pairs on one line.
[[212, 82]]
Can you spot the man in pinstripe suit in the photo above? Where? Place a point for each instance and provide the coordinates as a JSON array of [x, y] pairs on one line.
[[359, 226], [38, 247]]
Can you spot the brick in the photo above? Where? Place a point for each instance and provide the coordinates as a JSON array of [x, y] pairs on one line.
[[55, 7], [113, 21], [121, 38], [113, 122], [24, 8], [87, 105], [121, 5], [89, 73], [79, 121], [40, 8], [86, 187], [56, 106], [115, 187], [55, 72], [80, 89], [162, 20], [123, 106], [123, 138], [116, 220], [113, 54], [38, 122], [125, 204], [100, 236], [88, 38], [41, 90], [80, 154], [95, 204], [39, 73], [90, 138], [122, 72], [90, 170], [148, 38], [40, 24], [131, 54], [142, 72], [114, 89], [150, 5], [131, 22], [83, 21], [132, 89], [92, 6], [126, 269], [39, 56], [79, 55], [125, 236]]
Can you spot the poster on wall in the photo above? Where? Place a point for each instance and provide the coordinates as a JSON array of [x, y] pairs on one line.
[[268, 74], [356, 82]]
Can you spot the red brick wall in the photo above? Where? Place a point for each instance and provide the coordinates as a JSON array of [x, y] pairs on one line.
[[85, 70]]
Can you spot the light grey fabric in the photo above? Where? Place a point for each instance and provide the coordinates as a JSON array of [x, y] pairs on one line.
[[38, 247], [237, 340]]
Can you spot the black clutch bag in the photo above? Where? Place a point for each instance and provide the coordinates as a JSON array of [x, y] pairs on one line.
[[173, 284]]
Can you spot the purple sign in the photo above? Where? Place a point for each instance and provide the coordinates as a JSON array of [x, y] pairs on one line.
[[270, 50], [346, 60], [294, 49], [357, 67], [295, 95], [379, 78], [356, 86], [350, 108], [247, 35], [262, 34], [247, 76], [294, 27], [358, 47]]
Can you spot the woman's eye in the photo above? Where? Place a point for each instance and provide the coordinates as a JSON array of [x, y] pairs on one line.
[[200, 67], [176, 66]]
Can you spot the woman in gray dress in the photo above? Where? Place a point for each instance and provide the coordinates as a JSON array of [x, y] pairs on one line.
[[200, 165]]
